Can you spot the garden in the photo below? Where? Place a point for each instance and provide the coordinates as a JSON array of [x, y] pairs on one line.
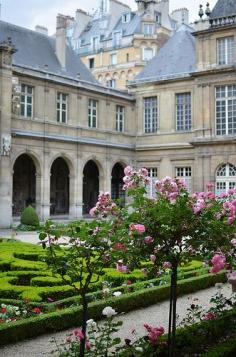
[[126, 259]]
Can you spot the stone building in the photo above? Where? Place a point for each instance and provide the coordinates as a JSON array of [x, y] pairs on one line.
[[64, 137], [116, 42], [186, 103]]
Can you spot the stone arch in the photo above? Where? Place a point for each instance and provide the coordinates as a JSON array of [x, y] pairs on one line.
[[25, 186], [225, 177], [90, 185], [59, 187], [100, 78], [117, 174]]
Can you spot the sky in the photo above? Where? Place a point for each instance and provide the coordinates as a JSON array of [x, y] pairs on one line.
[[29, 13]]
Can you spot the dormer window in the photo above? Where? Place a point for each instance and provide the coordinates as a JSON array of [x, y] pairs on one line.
[[95, 43], [148, 29], [225, 51], [158, 18], [126, 18], [116, 39]]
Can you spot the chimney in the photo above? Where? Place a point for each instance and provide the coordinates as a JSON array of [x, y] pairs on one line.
[[61, 39], [41, 29]]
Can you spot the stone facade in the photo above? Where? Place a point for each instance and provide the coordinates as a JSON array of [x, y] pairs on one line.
[[64, 137], [116, 42]]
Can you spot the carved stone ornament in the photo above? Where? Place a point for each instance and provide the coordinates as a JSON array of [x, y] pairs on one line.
[[6, 145]]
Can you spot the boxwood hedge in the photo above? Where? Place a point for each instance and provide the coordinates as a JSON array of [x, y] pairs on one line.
[[70, 317]]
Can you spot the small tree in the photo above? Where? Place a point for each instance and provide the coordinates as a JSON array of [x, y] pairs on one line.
[[78, 253], [171, 228], [29, 217]]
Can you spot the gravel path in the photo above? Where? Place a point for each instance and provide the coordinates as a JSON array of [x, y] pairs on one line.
[[156, 315]]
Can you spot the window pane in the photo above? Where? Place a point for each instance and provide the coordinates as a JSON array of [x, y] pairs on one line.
[[183, 111], [150, 115]]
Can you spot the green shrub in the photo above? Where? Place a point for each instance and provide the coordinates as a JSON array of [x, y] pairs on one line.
[[46, 281], [226, 349], [72, 316], [29, 217]]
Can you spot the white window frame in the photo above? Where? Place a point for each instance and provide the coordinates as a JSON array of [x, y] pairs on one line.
[[62, 99], [111, 83], [225, 51], [153, 174], [225, 107], [150, 124], [95, 43], [24, 101], [183, 111], [148, 49], [148, 29], [113, 59], [92, 113], [225, 178], [186, 173], [120, 118], [117, 35], [126, 18]]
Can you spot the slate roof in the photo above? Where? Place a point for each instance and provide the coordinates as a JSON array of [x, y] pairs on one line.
[[131, 27], [175, 59], [224, 8], [35, 50]]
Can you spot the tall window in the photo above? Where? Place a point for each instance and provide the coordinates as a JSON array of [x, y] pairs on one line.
[[225, 50], [113, 59], [62, 107], [148, 29], [120, 118], [116, 39], [148, 53], [150, 115], [186, 174], [152, 173], [111, 83], [95, 42], [226, 110], [26, 101], [225, 178], [91, 62], [92, 113], [183, 111]]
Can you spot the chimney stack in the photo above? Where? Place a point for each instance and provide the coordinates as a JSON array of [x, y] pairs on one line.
[[61, 39]]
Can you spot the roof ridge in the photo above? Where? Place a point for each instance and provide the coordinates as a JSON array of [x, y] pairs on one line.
[[25, 28]]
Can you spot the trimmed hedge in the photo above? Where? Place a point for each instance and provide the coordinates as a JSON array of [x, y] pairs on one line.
[[70, 317]]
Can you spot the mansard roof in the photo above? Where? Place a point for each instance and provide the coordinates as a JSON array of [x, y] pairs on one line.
[[224, 8], [37, 51], [175, 59]]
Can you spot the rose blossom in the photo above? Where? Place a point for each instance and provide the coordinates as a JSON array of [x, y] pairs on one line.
[[153, 258], [109, 311], [167, 265], [148, 240], [233, 241], [140, 228]]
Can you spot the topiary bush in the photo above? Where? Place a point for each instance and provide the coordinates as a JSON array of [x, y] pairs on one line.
[[29, 217]]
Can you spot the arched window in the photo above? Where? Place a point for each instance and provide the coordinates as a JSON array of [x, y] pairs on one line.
[[225, 178]]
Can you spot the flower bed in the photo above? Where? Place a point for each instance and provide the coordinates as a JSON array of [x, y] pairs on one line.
[[69, 317]]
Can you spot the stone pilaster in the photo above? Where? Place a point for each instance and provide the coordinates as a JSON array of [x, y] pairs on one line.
[[6, 52]]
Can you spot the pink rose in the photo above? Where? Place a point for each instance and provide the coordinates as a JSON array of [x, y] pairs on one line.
[[140, 228], [209, 316], [79, 333], [153, 258], [233, 241], [148, 240], [167, 265]]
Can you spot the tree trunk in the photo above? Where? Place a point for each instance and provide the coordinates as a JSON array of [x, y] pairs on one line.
[[84, 324], [172, 310]]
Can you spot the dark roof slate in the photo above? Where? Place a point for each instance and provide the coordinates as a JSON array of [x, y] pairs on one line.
[[175, 59], [224, 8], [35, 51]]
